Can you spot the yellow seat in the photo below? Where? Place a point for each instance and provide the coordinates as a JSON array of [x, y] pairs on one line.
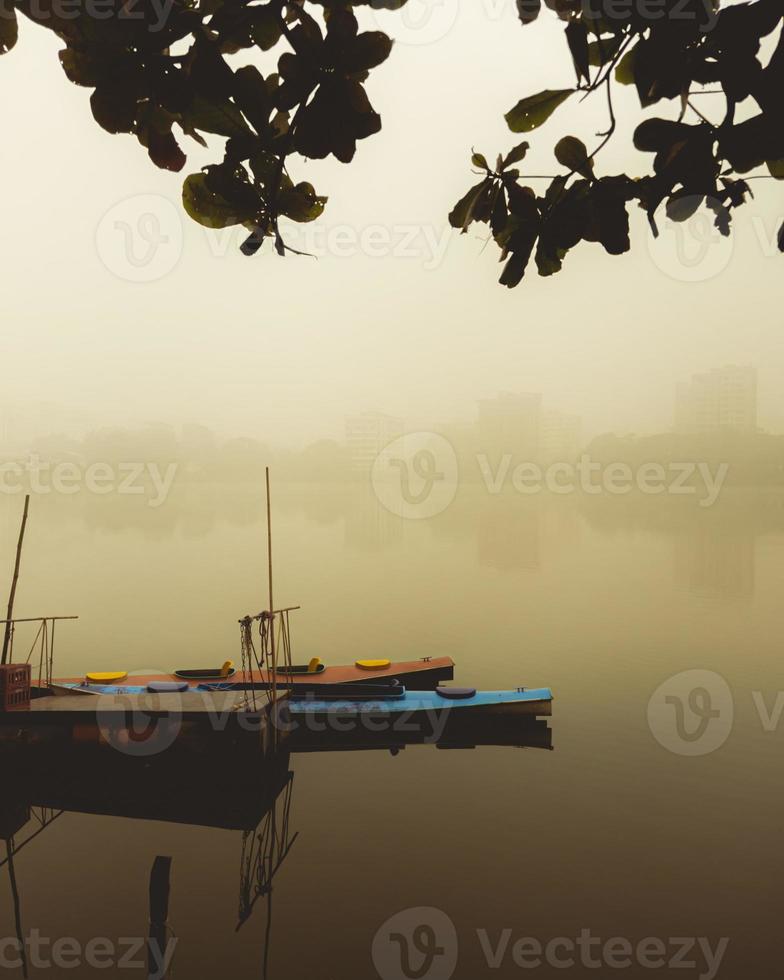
[[227, 668], [112, 677], [373, 664], [314, 665]]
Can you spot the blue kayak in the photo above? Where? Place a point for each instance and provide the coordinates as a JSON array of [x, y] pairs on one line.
[[399, 702], [533, 701]]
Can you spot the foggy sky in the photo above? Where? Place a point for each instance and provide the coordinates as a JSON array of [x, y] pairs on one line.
[[285, 348]]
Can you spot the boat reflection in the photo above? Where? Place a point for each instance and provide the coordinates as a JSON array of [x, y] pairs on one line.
[[459, 732], [249, 796]]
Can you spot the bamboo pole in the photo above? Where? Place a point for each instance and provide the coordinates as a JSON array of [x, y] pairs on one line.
[[273, 648], [160, 890], [9, 626], [38, 619], [9, 845]]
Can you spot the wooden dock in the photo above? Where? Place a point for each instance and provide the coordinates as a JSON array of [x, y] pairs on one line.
[[190, 705], [136, 722]]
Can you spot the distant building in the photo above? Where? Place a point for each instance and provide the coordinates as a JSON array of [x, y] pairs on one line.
[[720, 399], [560, 436], [367, 435], [511, 424]]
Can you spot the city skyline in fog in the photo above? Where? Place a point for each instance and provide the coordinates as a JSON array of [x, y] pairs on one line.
[[417, 328], [22, 424]]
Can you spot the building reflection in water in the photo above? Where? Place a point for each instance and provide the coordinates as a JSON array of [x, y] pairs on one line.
[[716, 562]]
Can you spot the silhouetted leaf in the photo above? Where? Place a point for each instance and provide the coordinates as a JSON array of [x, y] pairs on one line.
[[80, 68], [164, 151], [216, 116], [572, 154], [624, 70], [338, 115], [205, 206], [549, 257], [529, 10], [608, 217], [465, 211], [602, 51], [252, 96], [723, 215], [152, 73], [265, 26], [750, 143], [9, 27], [114, 108], [683, 205], [515, 155], [532, 112], [655, 135], [254, 241], [565, 9], [301, 203], [210, 73], [661, 70], [519, 235], [577, 39], [366, 51]]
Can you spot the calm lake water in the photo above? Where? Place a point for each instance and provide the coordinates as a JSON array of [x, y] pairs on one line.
[[640, 825]]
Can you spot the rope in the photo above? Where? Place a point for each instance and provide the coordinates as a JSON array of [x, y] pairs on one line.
[[253, 659], [248, 656], [263, 851]]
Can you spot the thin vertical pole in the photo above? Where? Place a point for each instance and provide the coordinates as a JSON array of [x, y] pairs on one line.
[[160, 890], [9, 626], [273, 648], [50, 657], [9, 845]]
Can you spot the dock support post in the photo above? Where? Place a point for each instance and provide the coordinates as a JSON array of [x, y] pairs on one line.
[[9, 626], [273, 649]]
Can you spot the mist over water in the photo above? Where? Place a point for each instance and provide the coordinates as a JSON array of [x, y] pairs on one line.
[[604, 599], [630, 562]]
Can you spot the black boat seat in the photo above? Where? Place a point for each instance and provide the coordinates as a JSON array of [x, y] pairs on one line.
[[456, 693]]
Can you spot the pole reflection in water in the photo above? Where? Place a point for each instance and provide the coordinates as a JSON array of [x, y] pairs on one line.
[[205, 789]]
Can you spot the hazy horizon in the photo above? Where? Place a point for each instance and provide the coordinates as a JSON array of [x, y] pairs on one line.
[[21, 425], [637, 580], [294, 345]]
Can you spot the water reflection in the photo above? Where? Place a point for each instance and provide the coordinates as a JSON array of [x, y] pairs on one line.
[[602, 599], [208, 790], [49, 781], [714, 546], [716, 564], [158, 589], [714, 549]]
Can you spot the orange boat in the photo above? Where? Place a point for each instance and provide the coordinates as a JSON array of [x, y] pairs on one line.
[[421, 675]]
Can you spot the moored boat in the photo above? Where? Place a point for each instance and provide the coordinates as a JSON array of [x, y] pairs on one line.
[[523, 701], [362, 701], [424, 674]]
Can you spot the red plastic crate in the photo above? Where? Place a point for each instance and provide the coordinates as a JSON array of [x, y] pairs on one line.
[[15, 682]]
